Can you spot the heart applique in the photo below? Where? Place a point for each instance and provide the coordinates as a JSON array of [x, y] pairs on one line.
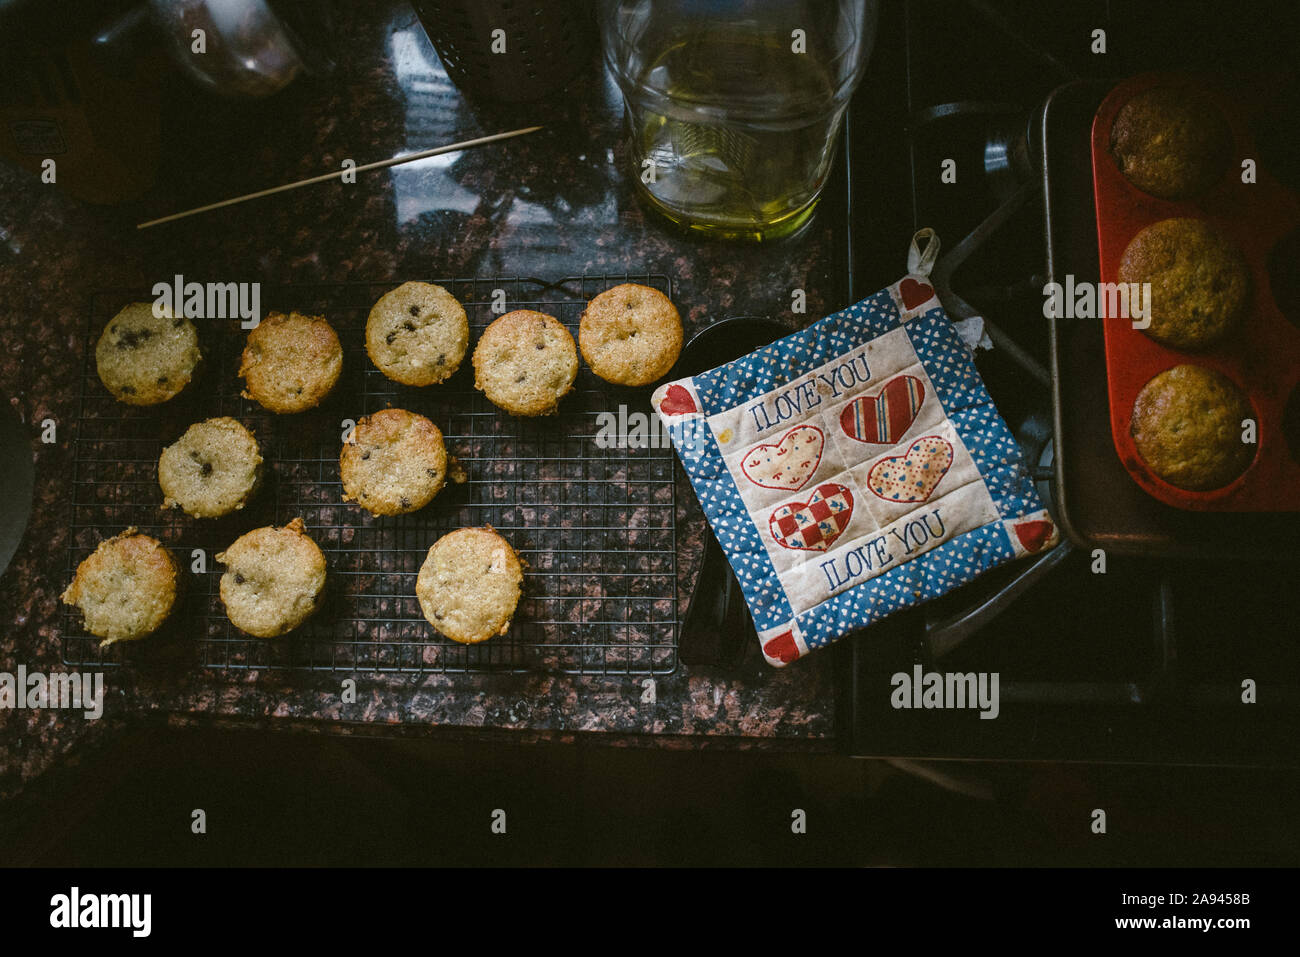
[[677, 401], [912, 476], [885, 417], [788, 463], [782, 648], [914, 293], [1033, 535], [813, 525]]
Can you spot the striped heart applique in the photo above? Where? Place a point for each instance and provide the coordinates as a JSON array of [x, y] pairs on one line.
[[885, 417], [912, 476], [789, 462], [813, 525]]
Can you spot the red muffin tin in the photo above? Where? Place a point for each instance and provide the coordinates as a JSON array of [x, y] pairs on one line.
[[1263, 359]]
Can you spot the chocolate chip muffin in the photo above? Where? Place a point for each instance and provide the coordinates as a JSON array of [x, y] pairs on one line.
[[1200, 282], [291, 362], [1171, 142], [211, 470], [630, 335], [417, 334], [126, 588], [273, 580], [395, 463], [1187, 427], [145, 359], [469, 585], [525, 363]]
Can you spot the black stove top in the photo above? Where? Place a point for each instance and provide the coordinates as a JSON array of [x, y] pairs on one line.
[[1150, 660]]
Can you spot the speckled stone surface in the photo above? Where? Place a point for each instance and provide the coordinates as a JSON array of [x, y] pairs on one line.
[[552, 205]]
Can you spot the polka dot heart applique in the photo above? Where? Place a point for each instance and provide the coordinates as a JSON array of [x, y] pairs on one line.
[[912, 476], [788, 463]]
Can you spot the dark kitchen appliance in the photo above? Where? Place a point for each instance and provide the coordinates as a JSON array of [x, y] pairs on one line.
[[1150, 660], [1097, 502], [595, 519]]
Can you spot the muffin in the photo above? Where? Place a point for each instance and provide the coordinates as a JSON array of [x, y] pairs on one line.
[[211, 470], [1171, 142], [1200, 282], [1187, 428], [126, 588], [630, 335], [469, 585], [417, 334], [273, 580], [395, 463], [145, 359], [291, 362], [525, 362]]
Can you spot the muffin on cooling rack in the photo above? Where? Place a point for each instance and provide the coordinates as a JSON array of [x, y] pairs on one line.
[[145, 359], [126, 588], [525, 363], [1171, 141], [273, 581], [470, 584], [1187, 427], [630, 335], [417, 334], [211, 470], [291, 362], [1200, 282], [395, 463]]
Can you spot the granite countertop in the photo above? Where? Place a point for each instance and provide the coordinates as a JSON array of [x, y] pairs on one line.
[[552, 205]]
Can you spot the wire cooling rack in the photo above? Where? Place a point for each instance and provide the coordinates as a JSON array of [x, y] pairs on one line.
[[595, 525]]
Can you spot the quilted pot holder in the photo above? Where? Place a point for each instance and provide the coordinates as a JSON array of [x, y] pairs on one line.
[[854, 468]]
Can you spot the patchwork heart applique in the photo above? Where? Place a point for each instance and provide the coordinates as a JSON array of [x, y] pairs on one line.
[[1033, 535], [885, 417], [788, 463], [813, 525], [677, 401], [912, 476], [914, 293]]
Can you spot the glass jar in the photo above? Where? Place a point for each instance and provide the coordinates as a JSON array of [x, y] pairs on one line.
[[733, 106]]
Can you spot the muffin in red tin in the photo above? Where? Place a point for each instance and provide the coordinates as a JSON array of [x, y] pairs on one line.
[[1188, 428]]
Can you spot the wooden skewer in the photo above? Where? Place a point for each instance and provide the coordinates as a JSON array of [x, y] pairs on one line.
[[395, 161]]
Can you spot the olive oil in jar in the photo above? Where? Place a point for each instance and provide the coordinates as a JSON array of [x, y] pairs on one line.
[[732, 132]]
